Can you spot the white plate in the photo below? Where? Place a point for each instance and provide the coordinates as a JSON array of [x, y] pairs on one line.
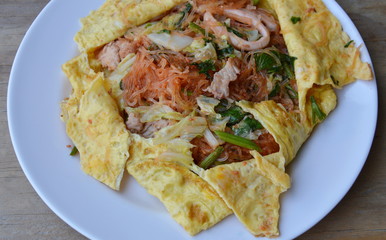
[[322, 173]]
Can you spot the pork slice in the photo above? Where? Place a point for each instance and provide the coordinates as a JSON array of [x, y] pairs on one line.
[[109, 56]]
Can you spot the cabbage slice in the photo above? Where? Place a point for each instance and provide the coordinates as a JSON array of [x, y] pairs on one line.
[[188, 128], [173, 41], [155, 112]]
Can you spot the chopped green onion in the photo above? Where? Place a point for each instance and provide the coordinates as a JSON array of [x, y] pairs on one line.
[[316, 111], [291, 92], [236, 140], [197, 29], [209, 160], [295, 20], [74, 151], [348, 44], [148, 25], [165, 31]]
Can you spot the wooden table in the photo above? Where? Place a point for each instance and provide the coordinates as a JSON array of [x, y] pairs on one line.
[[360, 215]]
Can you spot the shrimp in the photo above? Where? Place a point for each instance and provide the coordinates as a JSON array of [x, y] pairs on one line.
[[217, 28], [254, 20], [243, 16], [268, 20]]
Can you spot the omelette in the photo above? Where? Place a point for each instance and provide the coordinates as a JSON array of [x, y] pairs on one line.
[[205, 103]]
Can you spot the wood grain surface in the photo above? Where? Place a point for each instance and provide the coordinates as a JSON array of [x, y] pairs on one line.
[[360, 215]]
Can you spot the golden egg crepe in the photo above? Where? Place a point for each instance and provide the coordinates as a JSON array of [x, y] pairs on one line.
[[251, 189], [99, 133], [205, 103], [325, 55]]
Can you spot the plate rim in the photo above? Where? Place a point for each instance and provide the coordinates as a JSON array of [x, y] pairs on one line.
[[54, 208]]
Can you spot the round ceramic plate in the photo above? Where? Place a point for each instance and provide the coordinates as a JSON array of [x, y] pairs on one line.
[[322, 173]]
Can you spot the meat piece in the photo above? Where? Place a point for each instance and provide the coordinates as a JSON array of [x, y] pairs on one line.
[[221, 79], [127, 46], [113, 53], [152, 127], [109, 56], [133, 123]]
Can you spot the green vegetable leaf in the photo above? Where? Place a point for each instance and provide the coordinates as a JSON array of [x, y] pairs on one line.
[[222, 106], [275, 91], [198, 29], [225, 52], [246, 126], [148, 25], [187, 9], [255, 2], [165, 31], [295, 20], [348, 44], [316, 111], [288, 64], [74, 151], [237, 33], [206, 66], [235, 114], [236, 140], [291, 92], [264, 61], [121, 85], [253, 123], [187, 92], [209, 160]]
